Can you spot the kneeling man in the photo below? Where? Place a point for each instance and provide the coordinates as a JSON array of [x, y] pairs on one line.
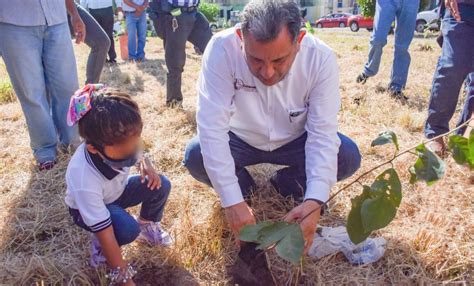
[[269, 93]]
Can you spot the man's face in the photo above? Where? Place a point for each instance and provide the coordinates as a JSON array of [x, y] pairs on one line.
[[270, 61]]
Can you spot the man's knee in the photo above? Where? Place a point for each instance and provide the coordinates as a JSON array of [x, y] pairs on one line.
[[349, 158], [193, 160]]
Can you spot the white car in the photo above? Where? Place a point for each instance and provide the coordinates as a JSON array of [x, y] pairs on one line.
[[427, 18]]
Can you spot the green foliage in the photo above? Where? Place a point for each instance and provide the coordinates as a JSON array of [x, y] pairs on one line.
[[309, 28], [286, 237], [376, 207], [210, 10], [7, 94], [462, 149], [386, 138], [367, 7], [429, 167]]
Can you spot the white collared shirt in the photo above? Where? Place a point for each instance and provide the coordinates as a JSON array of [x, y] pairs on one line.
[[96, 4], [268, 117]]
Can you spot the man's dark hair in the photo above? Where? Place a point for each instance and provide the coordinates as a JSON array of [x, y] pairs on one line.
[[114, 117], [264, 19]]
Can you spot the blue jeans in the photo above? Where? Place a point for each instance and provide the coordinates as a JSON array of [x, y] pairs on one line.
[[126, 227], [454, 65], [387, 11], [468, 108], [289, 180], [136, 29], [42, 68]]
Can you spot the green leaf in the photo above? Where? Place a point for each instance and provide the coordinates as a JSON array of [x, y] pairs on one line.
[[291, 247], [386, 138], [354, 226], [459, 146], [471, 150], [429, 167], [249, 233], [385, 197], [272, 234]]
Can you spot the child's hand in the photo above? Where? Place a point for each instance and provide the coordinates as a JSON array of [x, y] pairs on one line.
[[147, 171]]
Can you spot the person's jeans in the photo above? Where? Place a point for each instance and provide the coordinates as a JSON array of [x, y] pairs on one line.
[[192, 27], [136, 29], [42, 68], [289, 181], [126, 227], [99, 42], [454, 65], [468, 108], [387, 11], [105, 18]]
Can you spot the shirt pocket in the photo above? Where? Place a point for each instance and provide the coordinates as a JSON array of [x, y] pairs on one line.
[[297, 118]]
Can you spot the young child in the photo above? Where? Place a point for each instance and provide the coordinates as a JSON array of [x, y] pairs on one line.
[[99, 189]]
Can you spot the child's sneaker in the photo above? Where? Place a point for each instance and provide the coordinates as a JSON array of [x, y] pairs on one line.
[[97, 259], [154, 234]]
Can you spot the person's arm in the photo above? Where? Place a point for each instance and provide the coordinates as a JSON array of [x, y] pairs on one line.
[[216, 92], [322, 146], [131, 4], [76, 21]]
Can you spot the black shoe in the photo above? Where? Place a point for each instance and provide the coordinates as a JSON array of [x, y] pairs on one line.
[[46, 166], [398, 95], [251, 267], [362, 78], [112, 62], [175, 104]]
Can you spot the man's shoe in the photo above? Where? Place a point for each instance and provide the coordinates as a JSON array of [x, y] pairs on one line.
[[437, 146], [175, 104], [112, 62], [97, 259], [154, 234], [362, 78], [398, 95], [45, 166]]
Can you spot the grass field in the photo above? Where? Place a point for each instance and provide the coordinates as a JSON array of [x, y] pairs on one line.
[[431, 241]]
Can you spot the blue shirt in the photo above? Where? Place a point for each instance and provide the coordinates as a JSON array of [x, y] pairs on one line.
[[184, 3], [127, 8]]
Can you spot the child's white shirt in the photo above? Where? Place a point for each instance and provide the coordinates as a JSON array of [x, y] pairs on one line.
[[91, 186]]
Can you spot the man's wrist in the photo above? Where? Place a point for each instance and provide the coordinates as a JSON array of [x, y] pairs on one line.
[[321, 205]]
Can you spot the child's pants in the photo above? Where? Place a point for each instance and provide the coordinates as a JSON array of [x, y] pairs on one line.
[[126, 228]]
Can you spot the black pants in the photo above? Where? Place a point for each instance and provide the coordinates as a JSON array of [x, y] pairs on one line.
[[193, 27], [105, 18]]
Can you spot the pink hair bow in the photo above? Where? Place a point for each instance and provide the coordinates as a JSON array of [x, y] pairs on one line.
[[81, 102]]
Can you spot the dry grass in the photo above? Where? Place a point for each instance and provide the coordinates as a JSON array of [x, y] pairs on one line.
[[430, 242]]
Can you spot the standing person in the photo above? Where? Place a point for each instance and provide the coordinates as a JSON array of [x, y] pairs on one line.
[[99, 43], [135, 20], [387, 11], [37, 50], [269, 93], [176, 22], [454, 65], [103, 13]]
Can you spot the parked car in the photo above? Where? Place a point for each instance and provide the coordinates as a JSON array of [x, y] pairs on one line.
[[333, 20], [357, 22], [427, 19]]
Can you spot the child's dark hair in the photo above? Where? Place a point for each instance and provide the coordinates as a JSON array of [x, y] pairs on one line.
[[114, 117]]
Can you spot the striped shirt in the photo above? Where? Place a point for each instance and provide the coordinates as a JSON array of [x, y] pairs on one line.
[[33, 12], [184, 3]]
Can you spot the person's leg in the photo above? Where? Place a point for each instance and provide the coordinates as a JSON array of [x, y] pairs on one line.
[[21, 49], [131, 23], [201, 33], [175, 54], [108, 26], [141, 33], [61, 79], [152, 201], [97, 40], [468, 109], [242, 153], [291, 181], [384, 16], [126, 227], [454, 64], [406, 22]]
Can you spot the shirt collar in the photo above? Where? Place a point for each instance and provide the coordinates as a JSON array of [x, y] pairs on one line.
[[96, 161]]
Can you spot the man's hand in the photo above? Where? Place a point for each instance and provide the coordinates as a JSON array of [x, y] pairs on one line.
[[148, 171], [309, 224], [238, 216], [452, 5], [79, 28]]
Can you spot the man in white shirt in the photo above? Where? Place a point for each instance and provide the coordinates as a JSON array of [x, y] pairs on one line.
[[269, 93]]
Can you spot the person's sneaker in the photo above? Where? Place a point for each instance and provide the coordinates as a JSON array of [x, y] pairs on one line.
[[154, 234], [45, 166], [175, 104], [97, 259], [437, 146], [398, 95], [362, 78]]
